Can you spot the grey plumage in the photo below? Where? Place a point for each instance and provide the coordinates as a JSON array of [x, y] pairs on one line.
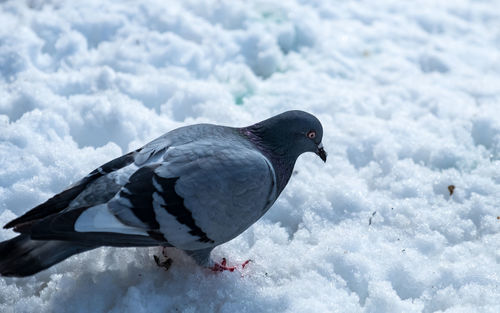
[[193, 188]]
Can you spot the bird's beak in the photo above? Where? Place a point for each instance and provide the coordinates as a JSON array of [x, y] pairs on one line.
[[321, 152]]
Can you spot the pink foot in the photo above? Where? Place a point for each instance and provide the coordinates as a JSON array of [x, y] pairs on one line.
[[223, 266]]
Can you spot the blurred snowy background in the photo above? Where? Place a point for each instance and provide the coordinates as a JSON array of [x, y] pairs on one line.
[[409, 96]]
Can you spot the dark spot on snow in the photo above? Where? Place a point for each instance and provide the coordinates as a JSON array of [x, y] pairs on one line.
[[371, 217], [451, 188]]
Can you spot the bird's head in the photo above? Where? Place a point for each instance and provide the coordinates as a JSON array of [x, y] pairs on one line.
[[291, 133]]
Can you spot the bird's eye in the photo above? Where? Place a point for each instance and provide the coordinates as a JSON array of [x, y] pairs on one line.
[[311, 134]]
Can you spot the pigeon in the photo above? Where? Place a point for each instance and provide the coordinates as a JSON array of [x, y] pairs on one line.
[[193, 188]]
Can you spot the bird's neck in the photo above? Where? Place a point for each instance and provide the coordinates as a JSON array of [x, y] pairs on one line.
[[279, 157]]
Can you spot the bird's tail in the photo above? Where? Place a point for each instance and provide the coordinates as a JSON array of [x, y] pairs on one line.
[[21, 256]]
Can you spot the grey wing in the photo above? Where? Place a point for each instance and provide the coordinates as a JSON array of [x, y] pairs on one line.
[[199, 196], [226, 188]]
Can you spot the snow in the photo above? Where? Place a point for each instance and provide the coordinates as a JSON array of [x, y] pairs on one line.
[[409, 96]]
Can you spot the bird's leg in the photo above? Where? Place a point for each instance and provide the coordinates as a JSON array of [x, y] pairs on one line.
[[222, 266], [166, 263]]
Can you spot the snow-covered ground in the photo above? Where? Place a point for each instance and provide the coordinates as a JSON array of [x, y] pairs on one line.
[[409, 96]]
